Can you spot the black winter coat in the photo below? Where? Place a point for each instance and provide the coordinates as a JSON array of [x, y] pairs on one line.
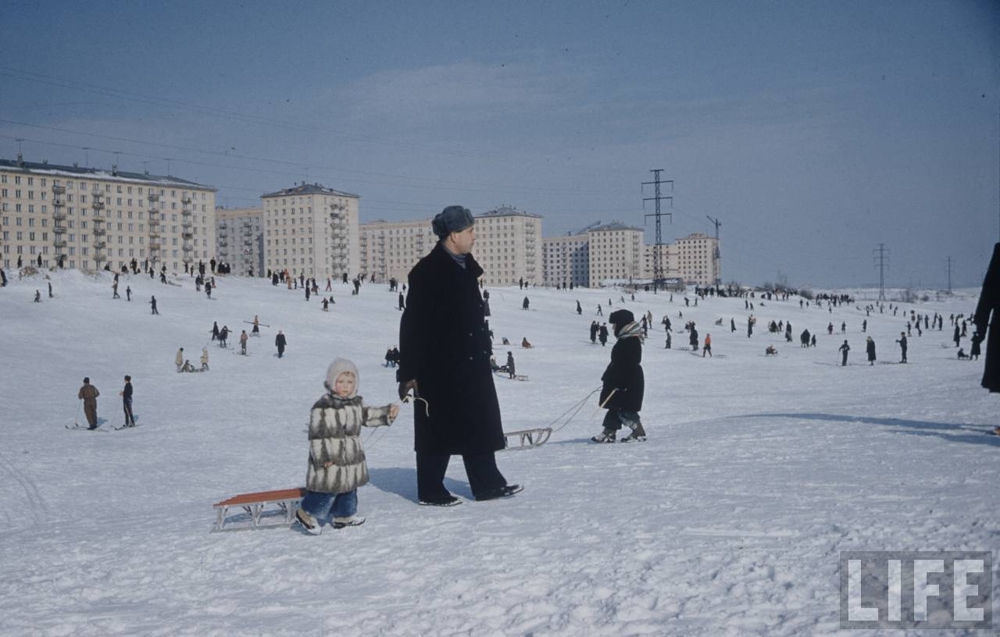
[[988, 314], [624, 373], [444, 345]]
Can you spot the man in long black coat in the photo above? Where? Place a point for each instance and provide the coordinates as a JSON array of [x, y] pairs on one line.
[[445, 354], [988, 314], [623, 380]]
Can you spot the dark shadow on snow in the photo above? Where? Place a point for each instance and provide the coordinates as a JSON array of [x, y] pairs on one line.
[[403, 481], [970, 434]]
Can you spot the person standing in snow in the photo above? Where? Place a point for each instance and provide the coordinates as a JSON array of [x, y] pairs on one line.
[[602, 334], [444, 361], [844, 349], [126, 395], [243, 342], [152, 303], [215, 330], [510, 365], [870, 350], [179, 359], [88, 394], [280, 342], [623, 381], [256, 326], [693, 338], [708, 346], [337, 465], [204, 359], [902, 345]]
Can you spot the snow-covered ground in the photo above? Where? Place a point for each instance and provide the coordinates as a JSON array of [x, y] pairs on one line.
[[758, 470]]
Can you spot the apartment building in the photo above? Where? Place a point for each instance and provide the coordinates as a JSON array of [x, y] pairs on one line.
[[90, 218], [509, 246], [698, 259], [312, 230], [566, 260], [390, 249], [616, 253], [239, 239]]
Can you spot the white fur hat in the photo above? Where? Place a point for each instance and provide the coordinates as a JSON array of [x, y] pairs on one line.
[[338, 367]]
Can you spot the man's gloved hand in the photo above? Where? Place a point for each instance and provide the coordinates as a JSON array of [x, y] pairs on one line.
[[406, 387]]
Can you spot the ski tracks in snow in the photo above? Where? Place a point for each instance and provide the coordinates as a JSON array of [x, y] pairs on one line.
[[23, 503]]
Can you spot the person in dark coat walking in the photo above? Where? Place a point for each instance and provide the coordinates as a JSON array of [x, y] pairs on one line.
[[602, 334], [975, 350], [870, 350], [444, 361], [126, 395], [594, 328], [510, 365], [902, 345], [987, 316], [152, 303], [280, 342], [844, 349], [958, 333], [623, 380]]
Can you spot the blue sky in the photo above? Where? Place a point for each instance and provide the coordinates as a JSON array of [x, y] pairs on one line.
[[814, 131]]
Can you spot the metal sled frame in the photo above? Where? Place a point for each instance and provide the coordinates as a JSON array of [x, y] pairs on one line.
[[526, 438], [264, 509]]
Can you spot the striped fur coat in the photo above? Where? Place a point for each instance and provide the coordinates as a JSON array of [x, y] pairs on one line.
[[334, 438]]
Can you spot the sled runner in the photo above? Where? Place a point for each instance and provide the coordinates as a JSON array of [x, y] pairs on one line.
[[526, 438], [262, 510]]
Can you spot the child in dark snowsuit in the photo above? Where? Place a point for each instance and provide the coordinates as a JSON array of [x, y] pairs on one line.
[[623, 381]]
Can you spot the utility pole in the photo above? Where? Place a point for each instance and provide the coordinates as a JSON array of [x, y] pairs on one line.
[[716, 254], [949, 275], [881, 255], [658, 246]]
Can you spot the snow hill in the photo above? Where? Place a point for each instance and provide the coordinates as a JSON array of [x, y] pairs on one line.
[[728, 521]]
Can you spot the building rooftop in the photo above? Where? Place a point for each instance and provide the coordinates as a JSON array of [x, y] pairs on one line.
[[508, 211], [309, 189], [56, 170], [614, 225]]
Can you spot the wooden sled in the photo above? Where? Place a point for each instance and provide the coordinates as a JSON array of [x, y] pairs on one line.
[[526, 438], [261, 510]]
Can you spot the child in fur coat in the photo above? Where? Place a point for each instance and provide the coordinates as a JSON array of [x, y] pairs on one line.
[[336, 461]]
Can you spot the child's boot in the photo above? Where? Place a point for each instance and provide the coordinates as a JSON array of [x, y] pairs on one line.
[[638, 433], [608, 435], [308, 523]]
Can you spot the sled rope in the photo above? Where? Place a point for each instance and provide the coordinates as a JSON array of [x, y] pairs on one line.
[[567, 416], [575, 409]]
